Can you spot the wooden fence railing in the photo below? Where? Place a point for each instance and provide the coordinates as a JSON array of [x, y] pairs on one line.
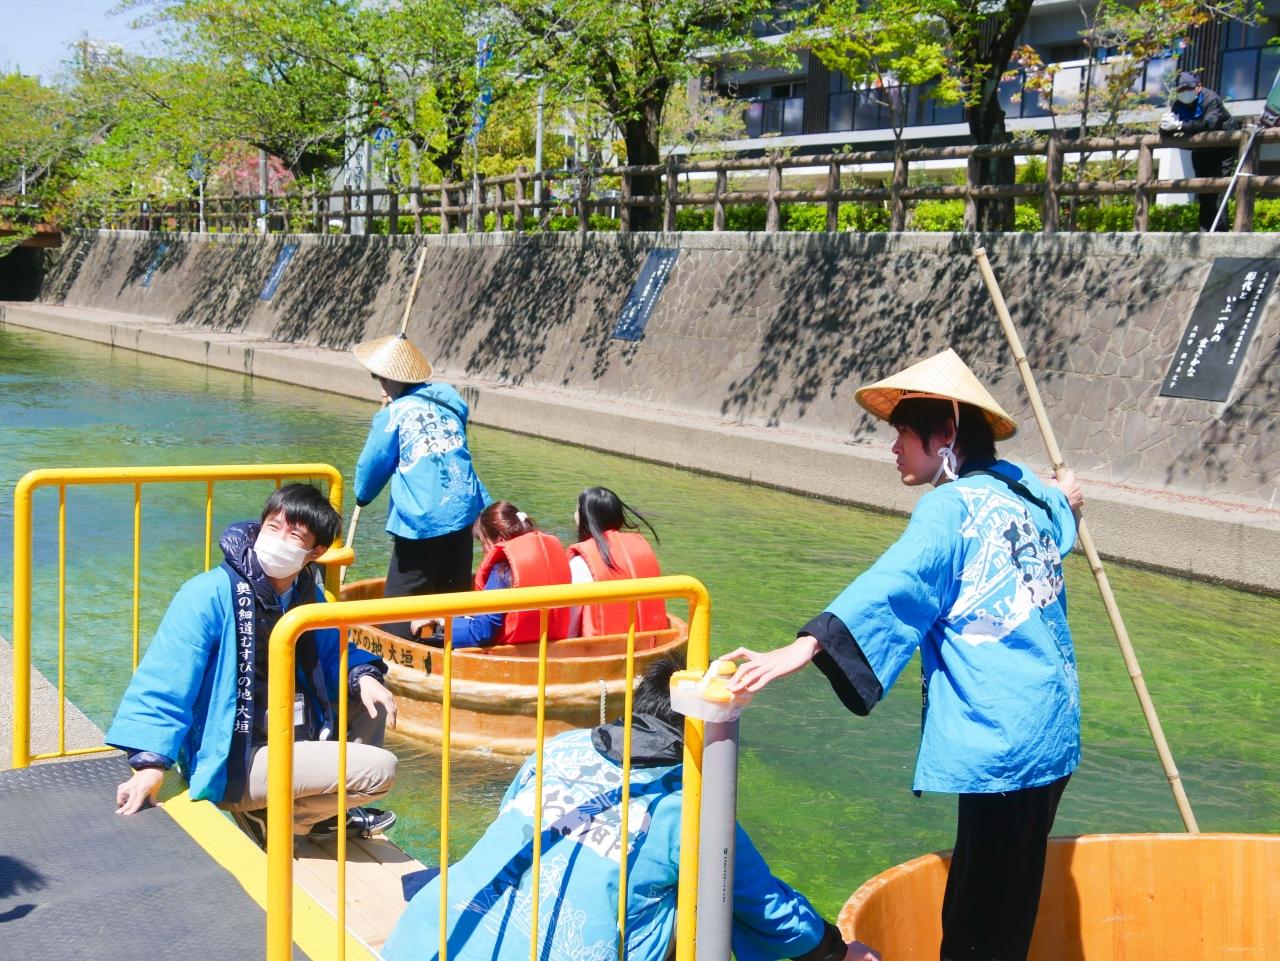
[[830, 179]]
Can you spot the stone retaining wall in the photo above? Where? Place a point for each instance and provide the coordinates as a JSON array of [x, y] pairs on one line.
[[756, 330]]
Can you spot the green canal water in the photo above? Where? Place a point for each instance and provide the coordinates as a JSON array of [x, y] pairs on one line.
[[825, 795]]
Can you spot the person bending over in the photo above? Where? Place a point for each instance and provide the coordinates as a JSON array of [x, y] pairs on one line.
[[1196, 109], [976, 584], [516, 554], [489, 906], [610, 548], [199, 697]]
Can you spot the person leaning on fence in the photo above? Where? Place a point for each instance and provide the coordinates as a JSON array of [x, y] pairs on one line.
[[1197, 110], [199, 696], [418, 442], [489, 906]]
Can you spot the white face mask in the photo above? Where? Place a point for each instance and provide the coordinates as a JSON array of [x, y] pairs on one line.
[[277, 556], [1188, 96]]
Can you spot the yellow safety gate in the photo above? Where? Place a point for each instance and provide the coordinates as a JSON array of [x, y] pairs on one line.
[[280, 695], [62, 478], [342, 615]]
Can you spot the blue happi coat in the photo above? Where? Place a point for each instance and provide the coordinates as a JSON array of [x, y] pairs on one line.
[[489, 904], [419, 443], [975, 582], [181, 702]]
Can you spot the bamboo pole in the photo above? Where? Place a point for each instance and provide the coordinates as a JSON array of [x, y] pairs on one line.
[[404, 324], [413, 291], [1091, 554]]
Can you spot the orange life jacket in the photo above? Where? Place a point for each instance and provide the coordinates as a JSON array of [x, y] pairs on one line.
[[632, 557], [536, 559]]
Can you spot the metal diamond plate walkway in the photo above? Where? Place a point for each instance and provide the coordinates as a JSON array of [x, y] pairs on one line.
[[79, 882]]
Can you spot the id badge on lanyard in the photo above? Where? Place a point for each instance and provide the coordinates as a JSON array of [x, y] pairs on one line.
[[300, 729]]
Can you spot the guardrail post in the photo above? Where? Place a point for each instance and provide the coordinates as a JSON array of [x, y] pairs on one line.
[[517, 215], [584, 211], [624, 208], [1141, 195], [1245, 192], [973, 176], [346, 208], [671, 200], [393, 212], [772, 215], [898, 211], [718, 214], [416, 199], [445, 200], [1052, 179], [368, 207], [833, 201]]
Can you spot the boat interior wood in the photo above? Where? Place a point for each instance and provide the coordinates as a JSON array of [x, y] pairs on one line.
[[375, 892]]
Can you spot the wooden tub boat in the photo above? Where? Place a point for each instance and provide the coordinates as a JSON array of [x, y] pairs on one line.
[[495, 689], [1106, 897]]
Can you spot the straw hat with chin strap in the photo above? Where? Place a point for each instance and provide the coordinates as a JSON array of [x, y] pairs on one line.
[[945, 377], [394, 358]]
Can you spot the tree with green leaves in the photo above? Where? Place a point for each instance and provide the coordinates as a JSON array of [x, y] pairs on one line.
[[627, 57]]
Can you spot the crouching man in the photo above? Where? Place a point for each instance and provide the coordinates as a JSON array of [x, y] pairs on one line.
[[489, 909], [199, 697]]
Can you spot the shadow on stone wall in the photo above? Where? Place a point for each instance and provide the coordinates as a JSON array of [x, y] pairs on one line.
[[528, 297], [63, 269], [330, 293], [222, 285]]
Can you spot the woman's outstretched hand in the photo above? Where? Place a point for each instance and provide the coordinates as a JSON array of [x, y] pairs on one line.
[[761, 669]]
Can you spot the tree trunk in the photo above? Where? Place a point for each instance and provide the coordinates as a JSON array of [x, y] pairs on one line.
[[640, 134], [986, 126], [990, 42]]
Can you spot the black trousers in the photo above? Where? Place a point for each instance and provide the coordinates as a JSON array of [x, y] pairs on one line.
[[1212, 162], [433, 565], [993, 887]]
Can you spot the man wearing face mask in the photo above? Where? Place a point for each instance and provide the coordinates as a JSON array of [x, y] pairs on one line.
[[199, 697], [1197, 110]]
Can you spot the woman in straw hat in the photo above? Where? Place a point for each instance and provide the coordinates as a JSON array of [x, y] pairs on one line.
[[975, 582], [418, 442]]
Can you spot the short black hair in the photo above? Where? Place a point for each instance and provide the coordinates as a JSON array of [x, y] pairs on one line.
[[926, 416], [305, 504], [653, 692]]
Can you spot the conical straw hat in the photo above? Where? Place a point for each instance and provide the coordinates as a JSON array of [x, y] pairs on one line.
[[944, 376], [394, 358]]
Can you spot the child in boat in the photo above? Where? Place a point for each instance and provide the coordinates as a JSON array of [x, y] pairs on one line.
[[488, 913], [516, 554], [976, 584], [610, 548], [199, 697], [418, 442]]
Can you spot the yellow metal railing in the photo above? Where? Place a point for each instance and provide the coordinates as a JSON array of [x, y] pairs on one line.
[[350, 613], [63, 478]]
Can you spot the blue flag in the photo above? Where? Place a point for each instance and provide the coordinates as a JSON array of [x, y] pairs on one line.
[[480, 114]]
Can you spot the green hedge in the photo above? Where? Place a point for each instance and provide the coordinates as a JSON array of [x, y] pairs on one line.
[[926, 215]]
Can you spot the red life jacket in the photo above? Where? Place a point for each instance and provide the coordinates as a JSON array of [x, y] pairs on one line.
[[536, 559], [632, 557]]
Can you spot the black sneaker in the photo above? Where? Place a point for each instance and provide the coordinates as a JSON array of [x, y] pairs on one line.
[[361, 823], [254, 824]]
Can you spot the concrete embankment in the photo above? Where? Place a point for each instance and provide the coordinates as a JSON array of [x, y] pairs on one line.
[[79, 730], [749, 361]]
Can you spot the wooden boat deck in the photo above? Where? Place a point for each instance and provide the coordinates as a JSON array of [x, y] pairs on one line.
[[375, 893]]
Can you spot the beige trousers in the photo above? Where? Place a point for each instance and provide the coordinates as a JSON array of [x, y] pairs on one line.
[[370, 772]]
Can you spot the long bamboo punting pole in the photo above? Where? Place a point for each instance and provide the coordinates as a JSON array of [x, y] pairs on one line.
[[1090, 553], [404, 324]]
